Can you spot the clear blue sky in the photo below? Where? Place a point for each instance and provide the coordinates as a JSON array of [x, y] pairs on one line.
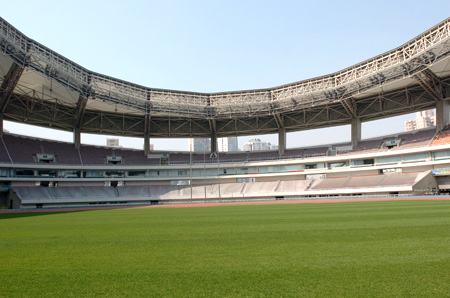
[[212, 46]]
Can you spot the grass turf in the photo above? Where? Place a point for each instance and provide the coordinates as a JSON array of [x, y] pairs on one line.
[[365, 249]]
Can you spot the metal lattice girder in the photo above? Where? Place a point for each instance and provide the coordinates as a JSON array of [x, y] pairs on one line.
[[26, 109], [431, 83], [111, 106], [9, 83], [81, 107], [350, 106], [407, 60]]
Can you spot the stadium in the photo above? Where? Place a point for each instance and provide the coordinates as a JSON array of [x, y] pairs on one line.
[[41, 87], [369, 217]]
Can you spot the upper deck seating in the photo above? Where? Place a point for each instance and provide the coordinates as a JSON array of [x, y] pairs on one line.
[[368, 146], [232, 156], [4, 156], [442, 138], [418, 139], [135, 157], [262, 155], [202, 158], [22, 149], [91, 155], [65, 153], [365, 147], [179, 158], [316, 152], [293, 153]]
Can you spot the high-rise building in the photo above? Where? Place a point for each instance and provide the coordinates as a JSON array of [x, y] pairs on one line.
[[229, 144], [204, 145], [199, 145], [423, 119], [112, 142], [258, 145]]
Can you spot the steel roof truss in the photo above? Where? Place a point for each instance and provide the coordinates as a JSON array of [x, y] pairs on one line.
[[9, 84], [431, 83]]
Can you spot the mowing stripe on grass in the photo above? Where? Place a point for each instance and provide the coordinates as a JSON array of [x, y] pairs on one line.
[[360, 249]]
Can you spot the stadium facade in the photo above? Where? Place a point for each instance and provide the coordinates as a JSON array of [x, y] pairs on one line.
[[43, 88]]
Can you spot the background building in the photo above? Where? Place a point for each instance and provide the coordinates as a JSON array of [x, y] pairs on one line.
[[227, 144], [258, 145], [223, 145], [424, 119], [199, 145], [112, 142]]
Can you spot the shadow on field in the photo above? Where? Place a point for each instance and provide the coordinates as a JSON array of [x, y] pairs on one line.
[[13, 215]]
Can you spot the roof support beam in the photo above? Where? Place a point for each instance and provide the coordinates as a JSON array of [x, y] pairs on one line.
[[85, 93], [1, 125], [79, 112], [9, 84], [349, 106], [356, 131], [281, 141], [147, 128], [213, 128], [442, 114], [278, 119], [431, 83], [77, 137]]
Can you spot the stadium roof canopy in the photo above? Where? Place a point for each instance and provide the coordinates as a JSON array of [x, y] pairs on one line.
[[41, 87]]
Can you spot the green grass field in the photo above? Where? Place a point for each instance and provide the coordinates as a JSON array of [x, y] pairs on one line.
[[364, 249]]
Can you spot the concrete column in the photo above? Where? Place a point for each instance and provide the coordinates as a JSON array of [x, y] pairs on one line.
[[356, 131], [147, 144], [77, 138], [281, 141], [1, 125], [442, 113], [214, 143]]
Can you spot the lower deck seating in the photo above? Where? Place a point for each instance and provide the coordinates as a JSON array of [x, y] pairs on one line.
[[80, 194], [366, 182]]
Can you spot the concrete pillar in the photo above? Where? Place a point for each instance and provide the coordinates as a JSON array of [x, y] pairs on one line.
[[281, 141], [77, 137], [147, 144], [214, 143], [1, 125], [442, 113], [356, 131]]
